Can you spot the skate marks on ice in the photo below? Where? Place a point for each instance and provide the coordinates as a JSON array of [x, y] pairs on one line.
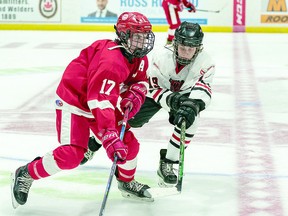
[[81, 191]]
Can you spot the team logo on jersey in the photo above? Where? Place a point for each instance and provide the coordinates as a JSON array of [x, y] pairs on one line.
[[48, 8], [175, 85], [59, 103]]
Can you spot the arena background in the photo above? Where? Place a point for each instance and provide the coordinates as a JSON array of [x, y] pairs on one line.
[[232, 16]]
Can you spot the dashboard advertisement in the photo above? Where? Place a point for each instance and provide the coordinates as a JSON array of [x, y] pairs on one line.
[[220, 15]]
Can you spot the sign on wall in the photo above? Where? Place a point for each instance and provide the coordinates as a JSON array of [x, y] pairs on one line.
[[239, 15], [151, 8], [274, 12], [30, 11]]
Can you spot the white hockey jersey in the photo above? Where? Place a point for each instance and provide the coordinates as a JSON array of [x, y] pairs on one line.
[[195, 78]]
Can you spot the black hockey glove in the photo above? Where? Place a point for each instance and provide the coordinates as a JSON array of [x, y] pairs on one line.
[[188, 110], [174, 100], [172, 117]]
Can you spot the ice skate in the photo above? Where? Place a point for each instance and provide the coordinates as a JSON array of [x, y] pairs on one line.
[[167, 177], [20, 185], [135, 190]]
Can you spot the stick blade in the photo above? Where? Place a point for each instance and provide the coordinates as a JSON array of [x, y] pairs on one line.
[[208, 11], [157, 192]]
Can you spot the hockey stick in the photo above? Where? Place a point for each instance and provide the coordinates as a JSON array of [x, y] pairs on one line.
[[205, 10], [181, 156], [163, 192], [113, 168], [208, 11]]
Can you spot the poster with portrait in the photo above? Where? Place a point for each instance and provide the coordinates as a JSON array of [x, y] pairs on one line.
[[103, 11], [100, 11]]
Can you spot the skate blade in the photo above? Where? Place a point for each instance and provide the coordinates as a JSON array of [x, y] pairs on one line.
[[163, 184], [15, 204], [134, 197]]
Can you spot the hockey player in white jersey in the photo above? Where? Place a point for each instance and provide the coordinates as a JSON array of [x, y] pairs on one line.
[[180, 78]]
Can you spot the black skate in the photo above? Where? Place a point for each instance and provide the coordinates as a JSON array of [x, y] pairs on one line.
[[167, 177], [93, 146], [135, 190], [20, 185]]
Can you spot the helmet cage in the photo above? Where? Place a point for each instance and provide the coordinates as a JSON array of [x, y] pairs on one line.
[[134, 33], [191, 35], [138, 44]]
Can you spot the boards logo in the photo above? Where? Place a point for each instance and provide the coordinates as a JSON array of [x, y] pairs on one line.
[[276, 8], [277, 5], [239, 12], [48, 8]]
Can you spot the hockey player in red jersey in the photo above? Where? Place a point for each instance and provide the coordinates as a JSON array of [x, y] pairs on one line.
[[180, 79], [172, 9], [104, 73]]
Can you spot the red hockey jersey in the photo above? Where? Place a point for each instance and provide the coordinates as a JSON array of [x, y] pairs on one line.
[[92, 82], [178, 4]]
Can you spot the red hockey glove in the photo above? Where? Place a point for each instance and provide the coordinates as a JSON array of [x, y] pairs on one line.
[[180, 7], [113, 145], [190, 6], [133, 99]]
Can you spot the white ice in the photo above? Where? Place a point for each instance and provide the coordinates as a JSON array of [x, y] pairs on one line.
[[237, 163]]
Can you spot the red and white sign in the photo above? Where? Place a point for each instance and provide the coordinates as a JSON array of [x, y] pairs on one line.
[[239, 14], [30, 11]]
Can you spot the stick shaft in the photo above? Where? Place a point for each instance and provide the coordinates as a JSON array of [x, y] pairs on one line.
[[114, 165], [181, 156]]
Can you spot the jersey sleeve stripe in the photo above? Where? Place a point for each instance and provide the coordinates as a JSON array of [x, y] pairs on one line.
[[207, 87], [93, 104], [202, 90]]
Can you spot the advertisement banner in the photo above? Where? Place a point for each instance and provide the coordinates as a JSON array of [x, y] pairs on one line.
[[239, 15], [30, 11], [152, 8], [274, 12], [101, 15]]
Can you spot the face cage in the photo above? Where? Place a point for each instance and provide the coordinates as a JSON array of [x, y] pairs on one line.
[[144, 40], [184, 61]]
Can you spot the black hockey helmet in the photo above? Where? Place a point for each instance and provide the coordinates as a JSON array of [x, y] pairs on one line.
[[188, 34]]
